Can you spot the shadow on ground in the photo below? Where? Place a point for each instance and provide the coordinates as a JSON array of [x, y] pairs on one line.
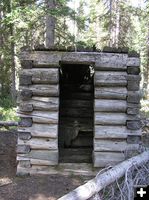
[[41, 187]]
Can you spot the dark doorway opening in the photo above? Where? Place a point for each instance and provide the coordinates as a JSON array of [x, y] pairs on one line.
[[76, 113]]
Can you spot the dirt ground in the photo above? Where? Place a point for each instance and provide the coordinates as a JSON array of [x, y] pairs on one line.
[[41, 187]]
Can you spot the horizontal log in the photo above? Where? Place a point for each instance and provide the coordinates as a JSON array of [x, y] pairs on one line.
[[133, 62], [133, 139], [23, 148], [25, 79], [51, 58], [133, 70], [134, 77], [24, 163], [77, 95], [25, 94], [40, 143], [133, 111], [113, 145], [26, 64], [134, 125], [40, 157], [44, 90], [77, 87], [114, 132], [110, 118], [111, 93], [40, 116], [76, 112], [104, 105], [25, 107], [103, 159], [25, 121], [133, 85], [76, 103], [78, 57], [45, 64], [103, 78], [133, 97], [111, 61], [40, 103], [41, 75], [24, 135], [42, 130]]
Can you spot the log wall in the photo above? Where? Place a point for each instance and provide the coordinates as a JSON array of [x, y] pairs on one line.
[[116, 107]]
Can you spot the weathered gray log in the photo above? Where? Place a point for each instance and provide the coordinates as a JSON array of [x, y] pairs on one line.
[[8, 123], [103, 159], [76, 112], [133, 85], [45, 64], [25, 107], [133, 62], [44, 90], [102, 180], [72, 103], [24, 135], [24, 163], [40, 130], [25, 122], [133, 77], [26, 64], [133, 97], [42, 76], [79, 57], [41, 116], [111, 61], [111, 93], [103, 78], [41, 104], [113, 145], [133, 139], [25, 80], [110, 118], [51, 58], [78, 95], [40, 143], [114, 132], [23, 148], [110, 105], [134, 125], [133, 111], [45, 103], [133, 70], [45, 155], [78, 87], [25, 94]]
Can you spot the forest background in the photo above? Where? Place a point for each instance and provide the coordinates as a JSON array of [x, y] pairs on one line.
[[78, 23]]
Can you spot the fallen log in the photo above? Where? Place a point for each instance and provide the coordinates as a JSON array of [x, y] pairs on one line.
[[8, 123], [96, 184]]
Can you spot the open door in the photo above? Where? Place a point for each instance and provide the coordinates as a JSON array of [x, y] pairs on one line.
[[76, 113]]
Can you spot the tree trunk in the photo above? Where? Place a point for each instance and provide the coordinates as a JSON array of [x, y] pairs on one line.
[[50, 25], [102, 180]]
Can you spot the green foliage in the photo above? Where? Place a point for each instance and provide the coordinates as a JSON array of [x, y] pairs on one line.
[[7, 109]]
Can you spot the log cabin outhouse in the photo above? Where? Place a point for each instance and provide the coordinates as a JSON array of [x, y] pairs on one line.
[[77, 107]]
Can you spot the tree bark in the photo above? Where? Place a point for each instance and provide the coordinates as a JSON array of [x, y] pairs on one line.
[[102, 180], [50, 25]]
